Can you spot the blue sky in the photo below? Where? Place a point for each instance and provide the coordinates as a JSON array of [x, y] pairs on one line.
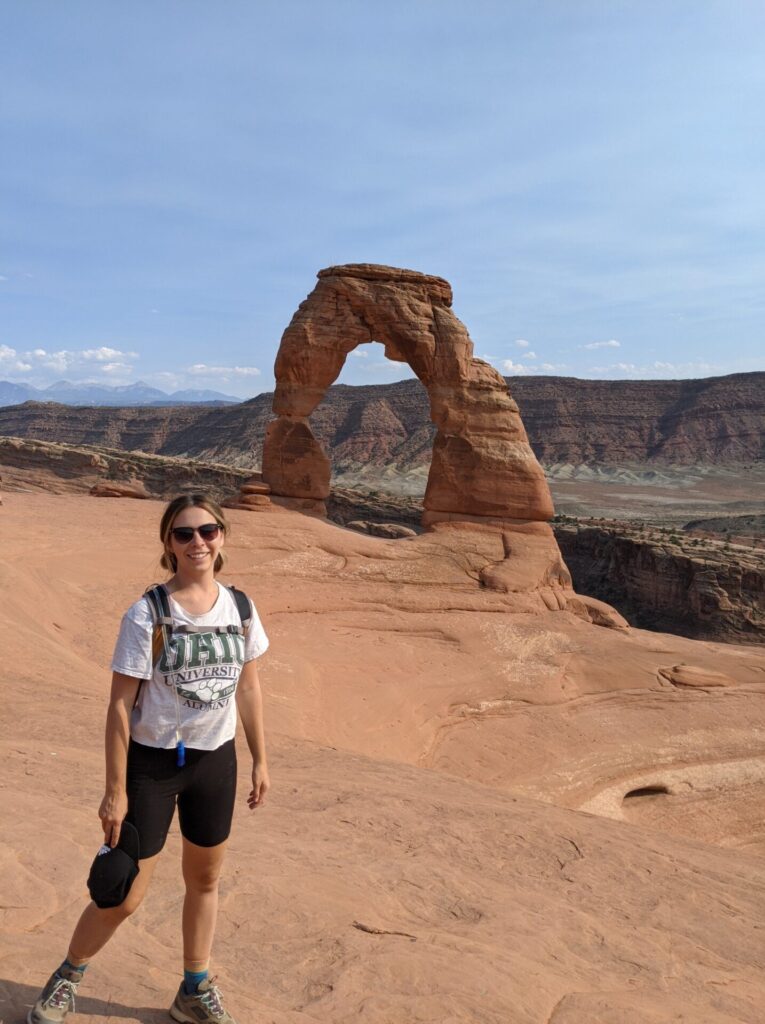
[[587, 175]]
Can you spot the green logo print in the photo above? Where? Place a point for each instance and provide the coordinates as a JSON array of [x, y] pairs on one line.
[[203, 667]]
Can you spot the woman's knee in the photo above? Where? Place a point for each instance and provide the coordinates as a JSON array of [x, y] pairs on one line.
[[129, 905], [202, 879]]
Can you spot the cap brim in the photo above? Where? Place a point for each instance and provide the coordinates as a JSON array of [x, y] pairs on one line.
[[129, 841]]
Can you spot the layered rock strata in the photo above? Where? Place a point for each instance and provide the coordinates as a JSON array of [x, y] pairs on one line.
[[662, 580], [482, 463], [67, 469]]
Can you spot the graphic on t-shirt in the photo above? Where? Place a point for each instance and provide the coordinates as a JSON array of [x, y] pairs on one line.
[[203, 667]]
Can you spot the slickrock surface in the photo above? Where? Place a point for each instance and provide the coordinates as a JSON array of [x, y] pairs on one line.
[[422, 855], [482, 464], [692, 582]]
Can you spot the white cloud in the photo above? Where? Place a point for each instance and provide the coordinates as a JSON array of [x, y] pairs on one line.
[[521, 343], [389, 365], [115, 368], [529, 355], [224, 372], [358, 353], [12, 362], [658, 369], [105, 354], [514, 368], [63, 361], [613, 343]]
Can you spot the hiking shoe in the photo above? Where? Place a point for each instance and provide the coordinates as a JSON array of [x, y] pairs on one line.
[[201, 1007], [57, 998]]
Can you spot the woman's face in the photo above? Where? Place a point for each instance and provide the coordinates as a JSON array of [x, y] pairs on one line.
[[198, 554]]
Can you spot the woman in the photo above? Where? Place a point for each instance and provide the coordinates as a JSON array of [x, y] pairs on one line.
[[170, 732]]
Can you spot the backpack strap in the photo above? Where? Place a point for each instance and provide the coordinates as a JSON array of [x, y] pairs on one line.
[[243, 606], [162, 618], [159, 604]]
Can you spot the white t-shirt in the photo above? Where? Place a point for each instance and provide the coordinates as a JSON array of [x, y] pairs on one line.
[[195, 680]]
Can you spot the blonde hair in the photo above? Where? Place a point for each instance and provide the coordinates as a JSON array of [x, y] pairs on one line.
[[168, 560]]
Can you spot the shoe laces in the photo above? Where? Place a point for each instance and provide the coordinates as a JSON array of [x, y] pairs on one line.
[[211, 999], [62, 994]]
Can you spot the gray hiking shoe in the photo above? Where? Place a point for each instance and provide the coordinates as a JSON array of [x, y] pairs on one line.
[[203, 1007], [56, 999]]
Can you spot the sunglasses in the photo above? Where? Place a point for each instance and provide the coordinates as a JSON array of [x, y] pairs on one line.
[[185, 534]]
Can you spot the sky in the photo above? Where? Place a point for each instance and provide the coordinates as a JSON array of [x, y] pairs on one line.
[[587, 175]]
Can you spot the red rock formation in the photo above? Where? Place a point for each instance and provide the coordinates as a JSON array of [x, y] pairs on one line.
[[482, 462], [117, 489]]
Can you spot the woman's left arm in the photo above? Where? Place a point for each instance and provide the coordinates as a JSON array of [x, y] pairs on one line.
[[249, 701]]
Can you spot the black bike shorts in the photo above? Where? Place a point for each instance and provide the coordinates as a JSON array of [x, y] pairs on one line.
[[204, 789]]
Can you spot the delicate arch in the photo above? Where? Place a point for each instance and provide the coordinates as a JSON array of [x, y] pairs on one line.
[[482, 462]]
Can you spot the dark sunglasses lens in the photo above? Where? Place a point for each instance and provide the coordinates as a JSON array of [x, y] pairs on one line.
[[209, 531], [183, 534]]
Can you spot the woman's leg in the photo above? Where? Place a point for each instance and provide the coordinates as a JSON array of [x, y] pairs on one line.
[[97, 925], [201, 872]]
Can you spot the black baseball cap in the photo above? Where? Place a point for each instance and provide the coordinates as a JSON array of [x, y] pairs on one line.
[[112, 873]]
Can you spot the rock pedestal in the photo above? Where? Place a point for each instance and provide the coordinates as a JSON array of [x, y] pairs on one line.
[[482, 465]]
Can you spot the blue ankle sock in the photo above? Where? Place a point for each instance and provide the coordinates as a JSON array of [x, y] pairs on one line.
[[67, 965], [192, 981]]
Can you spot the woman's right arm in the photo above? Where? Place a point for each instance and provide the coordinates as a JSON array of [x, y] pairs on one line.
[[114, 804]]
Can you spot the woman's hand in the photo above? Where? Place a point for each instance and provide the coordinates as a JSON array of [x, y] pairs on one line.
[[112, 813], [260, 785]]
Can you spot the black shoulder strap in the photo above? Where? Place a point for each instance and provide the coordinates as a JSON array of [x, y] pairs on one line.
[[242, 606], [162, 618], [159, 604]]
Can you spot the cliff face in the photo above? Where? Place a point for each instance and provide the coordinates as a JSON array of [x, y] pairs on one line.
[[715, 421], [128, 428], [703, 589], [710, 421]]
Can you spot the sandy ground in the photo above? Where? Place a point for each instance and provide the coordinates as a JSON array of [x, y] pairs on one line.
[[426, 854]]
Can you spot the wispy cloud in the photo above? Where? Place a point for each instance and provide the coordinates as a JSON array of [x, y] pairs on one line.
[[222, 372], [613, 343], [521, 343], [658, 369], [106, 354], [359, 353]]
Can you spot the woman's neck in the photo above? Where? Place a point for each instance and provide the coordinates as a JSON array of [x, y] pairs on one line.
[[196, 595]]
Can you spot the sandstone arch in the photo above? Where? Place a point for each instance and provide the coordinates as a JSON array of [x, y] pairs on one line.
[[482, 464]]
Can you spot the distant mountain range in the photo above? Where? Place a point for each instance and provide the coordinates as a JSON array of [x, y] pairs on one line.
[[139, 393], [386, 428]]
